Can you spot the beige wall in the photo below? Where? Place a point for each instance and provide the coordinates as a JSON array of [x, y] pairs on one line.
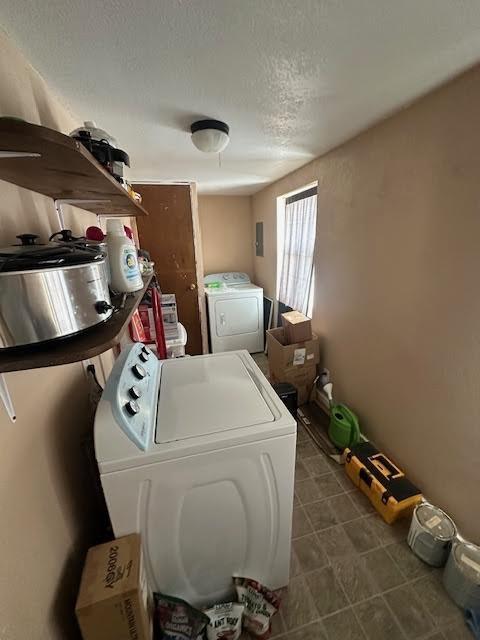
[[397, 270], [227, 235], [44, 496]]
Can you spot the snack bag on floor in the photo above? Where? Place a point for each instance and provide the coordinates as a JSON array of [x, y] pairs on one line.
[[260, 603], [225, 621], [175, 619]]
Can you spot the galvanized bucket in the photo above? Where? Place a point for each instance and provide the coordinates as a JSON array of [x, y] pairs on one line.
[[431, 534], [461, 577]]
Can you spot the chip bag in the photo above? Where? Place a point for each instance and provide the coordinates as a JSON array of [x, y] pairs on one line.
[[175, 619], [225, 621], [260, 603]]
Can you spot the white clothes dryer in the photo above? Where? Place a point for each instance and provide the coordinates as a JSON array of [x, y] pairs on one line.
[[235, 312]]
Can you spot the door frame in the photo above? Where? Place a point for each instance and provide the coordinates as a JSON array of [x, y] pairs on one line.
[[197, 243]]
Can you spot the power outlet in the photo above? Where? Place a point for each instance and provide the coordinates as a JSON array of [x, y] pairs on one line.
[[324, 377]]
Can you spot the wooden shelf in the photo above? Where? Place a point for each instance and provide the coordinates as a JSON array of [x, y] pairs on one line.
[[84, 345], [61, 168]]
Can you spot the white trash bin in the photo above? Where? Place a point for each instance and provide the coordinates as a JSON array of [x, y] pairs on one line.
[[176, 346]]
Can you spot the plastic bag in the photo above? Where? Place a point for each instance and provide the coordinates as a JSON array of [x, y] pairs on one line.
[[260, 603], [225, 621], [175, 619]]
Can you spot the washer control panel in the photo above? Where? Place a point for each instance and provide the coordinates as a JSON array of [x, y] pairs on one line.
[[133, 389], [229, 278]]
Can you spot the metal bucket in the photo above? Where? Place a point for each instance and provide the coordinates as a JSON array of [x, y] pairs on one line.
[[461, 577], [431, 534]]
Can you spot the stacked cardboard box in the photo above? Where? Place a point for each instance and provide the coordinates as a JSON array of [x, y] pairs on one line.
[[295, 363], [114, 599], [298, 327]]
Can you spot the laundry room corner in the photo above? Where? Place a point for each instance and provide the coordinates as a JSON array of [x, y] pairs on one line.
[[227, 235]]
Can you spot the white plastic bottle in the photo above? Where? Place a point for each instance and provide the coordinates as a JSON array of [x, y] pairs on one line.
[[123, 259]]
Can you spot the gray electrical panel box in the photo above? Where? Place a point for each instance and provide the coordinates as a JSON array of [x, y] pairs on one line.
[[259, 239]]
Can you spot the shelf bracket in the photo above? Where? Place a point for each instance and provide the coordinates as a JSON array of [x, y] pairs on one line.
[[19, 154], [6, 399], [59, 202]]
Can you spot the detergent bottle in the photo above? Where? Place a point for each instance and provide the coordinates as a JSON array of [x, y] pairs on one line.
[[123, 259]]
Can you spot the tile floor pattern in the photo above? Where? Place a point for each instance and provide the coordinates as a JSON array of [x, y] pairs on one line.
[[353, 577]]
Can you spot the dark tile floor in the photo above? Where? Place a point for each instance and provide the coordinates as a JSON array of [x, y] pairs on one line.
[[353, 577]]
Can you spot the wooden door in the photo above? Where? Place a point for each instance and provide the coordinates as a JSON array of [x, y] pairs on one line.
[[170, 233]]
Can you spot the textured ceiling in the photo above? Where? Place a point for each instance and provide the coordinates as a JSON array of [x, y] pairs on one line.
[[293, 78]]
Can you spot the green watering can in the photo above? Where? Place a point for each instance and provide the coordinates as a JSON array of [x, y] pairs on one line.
[[344, 430]]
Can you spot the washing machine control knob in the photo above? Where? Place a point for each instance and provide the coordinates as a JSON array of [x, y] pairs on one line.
[[132, 407], [138, 371], [134, 392], [144, 356]]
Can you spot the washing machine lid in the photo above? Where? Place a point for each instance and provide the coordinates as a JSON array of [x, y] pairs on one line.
[[206, 395]]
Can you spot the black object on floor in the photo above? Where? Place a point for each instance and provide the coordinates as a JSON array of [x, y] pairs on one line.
[[288, 395]]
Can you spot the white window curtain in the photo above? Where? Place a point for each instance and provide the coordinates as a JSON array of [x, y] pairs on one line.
[[296, 266]]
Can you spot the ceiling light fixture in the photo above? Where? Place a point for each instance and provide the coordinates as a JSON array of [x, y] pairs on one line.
[[210, 136]]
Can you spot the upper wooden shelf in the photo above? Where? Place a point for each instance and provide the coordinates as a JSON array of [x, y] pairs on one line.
[[64, 169]]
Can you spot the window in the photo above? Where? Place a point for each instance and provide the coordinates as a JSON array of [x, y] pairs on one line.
[[297, 217]]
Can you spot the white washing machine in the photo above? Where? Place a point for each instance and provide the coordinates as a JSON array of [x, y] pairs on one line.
[[235, 312], [198, 455]]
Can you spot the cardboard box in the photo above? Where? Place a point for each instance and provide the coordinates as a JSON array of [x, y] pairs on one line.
[[302, 379], [148, 323], [169, 316], [294, 363], [298, 327], [282, 355], [114, 601]]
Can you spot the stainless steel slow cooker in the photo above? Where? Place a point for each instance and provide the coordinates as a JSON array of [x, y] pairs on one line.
[[50, 291]]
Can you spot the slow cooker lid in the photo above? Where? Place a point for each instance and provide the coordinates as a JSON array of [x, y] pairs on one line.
[[65, 236], [29, 256]]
